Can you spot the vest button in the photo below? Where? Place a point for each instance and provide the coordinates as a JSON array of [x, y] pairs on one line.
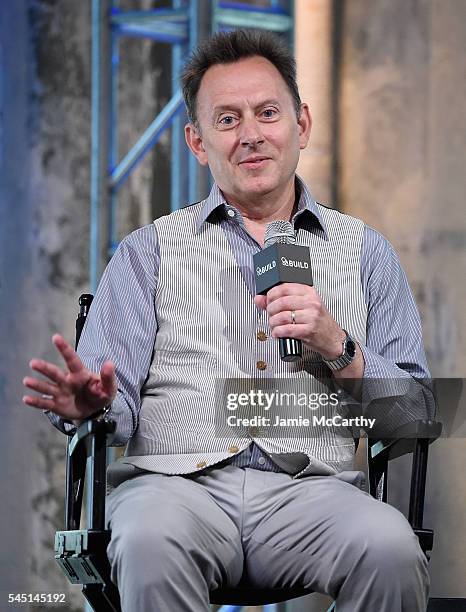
[[261, 365], [262, 336], [261, 461], [201, 464]]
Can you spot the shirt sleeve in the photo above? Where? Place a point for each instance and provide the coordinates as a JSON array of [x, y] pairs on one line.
[[121, 327], [397, 382]]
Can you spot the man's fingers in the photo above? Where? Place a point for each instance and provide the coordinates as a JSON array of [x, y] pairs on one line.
[[288, 331], [45, 403], [286, 289], [261, 301], [70, 356], [288, 303], [41, 386], [108, 379], [39, 402], [48, 369]]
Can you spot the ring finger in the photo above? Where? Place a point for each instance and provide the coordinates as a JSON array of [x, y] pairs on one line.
[[286, 317], [287, 303], [41, 386]]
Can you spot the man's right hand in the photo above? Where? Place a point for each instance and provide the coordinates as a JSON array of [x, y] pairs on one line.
[[75, 393]]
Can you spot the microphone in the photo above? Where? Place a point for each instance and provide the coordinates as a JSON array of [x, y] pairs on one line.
[[282, 261]]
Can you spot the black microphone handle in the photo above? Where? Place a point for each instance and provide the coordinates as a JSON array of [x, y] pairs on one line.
[[283, 261], [291, 349]]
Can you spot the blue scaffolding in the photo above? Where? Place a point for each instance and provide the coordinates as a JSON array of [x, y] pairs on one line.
[[181, 27]]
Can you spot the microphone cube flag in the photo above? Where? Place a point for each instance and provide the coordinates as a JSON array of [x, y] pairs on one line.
[[282, 263]]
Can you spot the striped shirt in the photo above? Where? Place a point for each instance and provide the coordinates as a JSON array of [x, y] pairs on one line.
[[123, 315]]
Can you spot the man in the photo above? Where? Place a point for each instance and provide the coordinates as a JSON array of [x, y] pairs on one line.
[[176, 311]]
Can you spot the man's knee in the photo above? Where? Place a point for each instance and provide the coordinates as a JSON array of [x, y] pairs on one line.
[[154, 566], [387, 542], [168, 540], [149, 539]]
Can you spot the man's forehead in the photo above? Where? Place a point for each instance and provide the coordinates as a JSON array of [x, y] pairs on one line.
[[243, 69], [253, 78]]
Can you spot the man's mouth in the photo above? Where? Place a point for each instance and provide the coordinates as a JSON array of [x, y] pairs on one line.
[[254, 162]]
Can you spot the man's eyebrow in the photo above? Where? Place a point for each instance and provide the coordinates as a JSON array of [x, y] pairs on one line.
[[223, 107], [267, 102], [232, 107]]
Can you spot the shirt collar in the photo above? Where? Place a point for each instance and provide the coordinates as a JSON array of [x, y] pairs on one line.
[[216, 203]]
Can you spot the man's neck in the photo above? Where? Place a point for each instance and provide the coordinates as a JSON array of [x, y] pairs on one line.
[[257, 215]]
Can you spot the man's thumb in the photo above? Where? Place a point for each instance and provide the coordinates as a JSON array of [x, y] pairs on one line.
[[107, 376], [261, 301]]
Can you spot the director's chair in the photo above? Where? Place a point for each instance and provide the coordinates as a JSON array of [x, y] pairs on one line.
[[81, 553]]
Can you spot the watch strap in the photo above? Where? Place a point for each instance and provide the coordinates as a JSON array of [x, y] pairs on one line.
[[347, 355]]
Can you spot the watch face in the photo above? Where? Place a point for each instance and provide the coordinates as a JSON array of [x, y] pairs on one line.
[[350, 347]]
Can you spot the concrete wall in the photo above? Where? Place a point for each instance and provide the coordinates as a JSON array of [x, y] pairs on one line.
[[401, 151], [314, 39], [43, 266], [397, 75]]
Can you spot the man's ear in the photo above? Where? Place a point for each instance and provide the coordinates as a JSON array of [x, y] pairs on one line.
[[305, 124], [194, 141]]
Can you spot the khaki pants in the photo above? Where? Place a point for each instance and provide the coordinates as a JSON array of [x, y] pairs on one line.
[[175, 538]]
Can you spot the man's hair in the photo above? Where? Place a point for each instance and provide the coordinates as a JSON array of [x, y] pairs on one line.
[[229, 47]]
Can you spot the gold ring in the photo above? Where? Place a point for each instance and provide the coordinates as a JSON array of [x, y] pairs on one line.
[[293, 317]]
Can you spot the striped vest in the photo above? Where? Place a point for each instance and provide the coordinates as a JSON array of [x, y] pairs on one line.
[[207, 334]]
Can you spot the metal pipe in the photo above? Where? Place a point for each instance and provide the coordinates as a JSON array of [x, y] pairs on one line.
[[193, 183], [146, 141], [95, 147], [176, 153]]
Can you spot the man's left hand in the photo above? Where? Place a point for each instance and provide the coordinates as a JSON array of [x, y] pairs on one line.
[[313, 324]]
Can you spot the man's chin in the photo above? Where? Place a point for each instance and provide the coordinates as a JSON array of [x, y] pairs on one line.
[[260, 185], [252, 188]]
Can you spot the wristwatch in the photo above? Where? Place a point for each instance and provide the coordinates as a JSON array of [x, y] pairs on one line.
[[347, 355], [100, 414]]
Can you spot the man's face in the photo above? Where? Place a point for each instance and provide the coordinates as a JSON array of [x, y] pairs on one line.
[[249, 133]]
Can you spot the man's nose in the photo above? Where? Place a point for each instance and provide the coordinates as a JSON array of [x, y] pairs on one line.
[[251, 134]]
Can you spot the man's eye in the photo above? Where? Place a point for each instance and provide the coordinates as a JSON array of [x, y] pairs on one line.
[[227, 120], [269, 113]]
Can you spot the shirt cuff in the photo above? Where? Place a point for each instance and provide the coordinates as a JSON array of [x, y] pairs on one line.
[[119, 412], [376, 366], [382, 378], [393, 396], [63, 425]]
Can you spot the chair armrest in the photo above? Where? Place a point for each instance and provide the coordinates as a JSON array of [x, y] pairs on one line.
[[415, 438], [404, 439], [87, 449], [98, 428]]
